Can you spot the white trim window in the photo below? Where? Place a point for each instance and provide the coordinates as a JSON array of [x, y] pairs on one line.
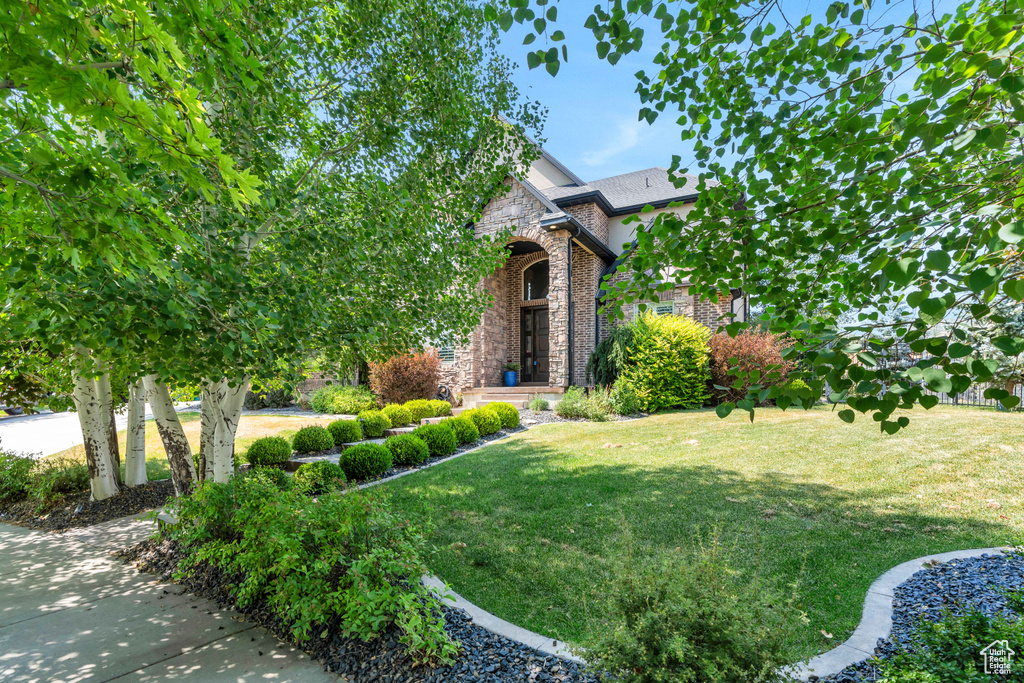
[[663, 308], [446, 354]]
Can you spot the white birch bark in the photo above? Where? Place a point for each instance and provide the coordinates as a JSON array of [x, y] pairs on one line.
[[179, 453], [95, 434], [107, 406], [226, 409], [135, 447], [207, 429]]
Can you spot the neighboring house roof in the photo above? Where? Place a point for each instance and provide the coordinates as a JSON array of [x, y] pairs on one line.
[[627, 193]]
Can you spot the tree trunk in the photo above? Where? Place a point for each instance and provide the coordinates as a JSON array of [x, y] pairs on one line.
[[226, 408], [179, 453], [95, 436], [135, 448], [107, 405], [208, 426]]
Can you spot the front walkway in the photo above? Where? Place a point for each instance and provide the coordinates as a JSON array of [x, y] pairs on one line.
[[71, 612]]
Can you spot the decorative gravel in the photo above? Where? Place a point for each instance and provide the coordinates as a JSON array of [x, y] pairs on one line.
[[532, 417], [485, 656], [78, 511], [954, 586]]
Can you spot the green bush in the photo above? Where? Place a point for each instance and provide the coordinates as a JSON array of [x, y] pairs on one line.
[[54, 478], [407, 450], [668, 362], [610, 356], [365, 460], [345, 431], [440, 440], [374, 423], [694, 620], [419, 409], [259, 398], [624, 400], [463, 429], [318, 478], [271, 476], [441, 408], [538, 404], [15, 476], [312, 439], [485, 419], [269, 450], [398, 415], [507, 412], [338, 399], [355, 575], [573, 405]]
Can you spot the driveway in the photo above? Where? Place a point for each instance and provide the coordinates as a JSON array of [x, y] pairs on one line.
[[47, 433]]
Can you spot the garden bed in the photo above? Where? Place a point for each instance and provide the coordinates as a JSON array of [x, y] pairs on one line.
[[76, 510]]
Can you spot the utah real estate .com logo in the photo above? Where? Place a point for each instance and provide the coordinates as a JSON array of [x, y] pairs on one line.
[[998, 658]]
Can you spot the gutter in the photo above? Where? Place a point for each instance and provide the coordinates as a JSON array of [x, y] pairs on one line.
[[597, 197], [581, 234]]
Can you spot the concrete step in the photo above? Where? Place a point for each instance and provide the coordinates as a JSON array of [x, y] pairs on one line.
[[459, 411], [395, 431], [434, 420]]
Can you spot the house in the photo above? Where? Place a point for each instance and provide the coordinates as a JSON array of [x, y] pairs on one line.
[[567, 236]]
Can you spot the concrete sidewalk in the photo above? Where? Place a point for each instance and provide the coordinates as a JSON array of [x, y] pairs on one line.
[[71, 612]]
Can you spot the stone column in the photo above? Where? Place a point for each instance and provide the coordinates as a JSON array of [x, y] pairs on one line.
[[558, 307]]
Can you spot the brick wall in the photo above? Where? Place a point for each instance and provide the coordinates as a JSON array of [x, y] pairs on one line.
[[586, 269], [593, 218]]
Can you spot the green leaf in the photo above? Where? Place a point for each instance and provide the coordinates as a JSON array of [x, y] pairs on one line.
[[937, 53], [938, 260], [847, 416], [1000, 25], [1012, 233], [928, 401], [723, 409]]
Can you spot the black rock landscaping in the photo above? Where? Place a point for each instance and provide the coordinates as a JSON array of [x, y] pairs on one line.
[[76, 510]]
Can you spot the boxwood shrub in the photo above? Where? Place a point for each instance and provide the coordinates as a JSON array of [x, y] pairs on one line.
[[407, 449], [508, 413], [485, 419], [398, 415], [439, 439], [374, 423], [441, 408], [345, 431], [312, 439], [463, 429], [419, 409], [365, 460], [318, 478], [271, 476], [269, 450]]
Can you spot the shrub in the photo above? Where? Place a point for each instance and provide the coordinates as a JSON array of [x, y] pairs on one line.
[[271, 476], [259, 398], [507, 412], [407, 450], [624, 400], [441, 408], [356, 574], [340, 399], [374, 423], [538, 404], [609, 357], [269, 450], [397, 414], [15, 476], [54, 478], [345, 431], [668, 362], [365, 460], [463, 428], [485, 419], [419, 409], [755, 356], [694, 620], [408, 377], [318, 478], [312, 439], [573, 404], [440, 440]]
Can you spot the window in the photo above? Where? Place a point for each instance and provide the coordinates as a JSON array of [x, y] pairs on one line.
[[535, 281], [446, 354], [666, 308]]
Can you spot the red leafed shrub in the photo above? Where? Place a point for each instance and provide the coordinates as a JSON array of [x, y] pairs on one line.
[[749, 351], [405, 378]]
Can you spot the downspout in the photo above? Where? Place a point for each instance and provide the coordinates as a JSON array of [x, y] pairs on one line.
[[571, 310]]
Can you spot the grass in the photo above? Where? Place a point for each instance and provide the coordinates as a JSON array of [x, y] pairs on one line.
[[535, 528], [250, 428]]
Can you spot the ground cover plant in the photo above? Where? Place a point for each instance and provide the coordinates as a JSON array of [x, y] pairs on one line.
[[529, 528]]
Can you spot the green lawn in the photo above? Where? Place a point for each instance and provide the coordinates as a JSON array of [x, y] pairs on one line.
[[530, 528]]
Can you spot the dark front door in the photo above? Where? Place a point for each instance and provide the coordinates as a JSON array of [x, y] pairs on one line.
[[534, 340]]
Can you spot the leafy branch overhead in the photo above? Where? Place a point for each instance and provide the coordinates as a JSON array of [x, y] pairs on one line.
[[860, 177]]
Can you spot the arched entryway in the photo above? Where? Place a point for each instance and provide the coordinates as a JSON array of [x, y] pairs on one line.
[[528, 322]]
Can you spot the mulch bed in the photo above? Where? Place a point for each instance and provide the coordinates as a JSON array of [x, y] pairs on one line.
[[77, 510], [485, 656]]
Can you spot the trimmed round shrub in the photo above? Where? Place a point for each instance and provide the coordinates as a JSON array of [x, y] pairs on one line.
[[312, 439], [270, 476], [345, 431], [441, 408], [374, 423], [463, 429], [270, 450], [485, 419], [407, 449], [439, 439], [508, 413], [318, 478], [398, 415], [365, 461], [538, 404], [419, 409]]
